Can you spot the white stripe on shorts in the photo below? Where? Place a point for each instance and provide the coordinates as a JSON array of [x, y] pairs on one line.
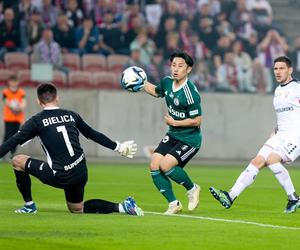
[[187, 154]]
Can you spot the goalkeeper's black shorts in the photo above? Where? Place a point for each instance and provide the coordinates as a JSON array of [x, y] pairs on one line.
[[72, 181]]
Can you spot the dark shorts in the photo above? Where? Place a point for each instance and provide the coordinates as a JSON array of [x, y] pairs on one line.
[[181, 151], [72, 182]]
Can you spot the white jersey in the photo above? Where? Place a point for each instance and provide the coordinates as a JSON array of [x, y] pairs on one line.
[[287, 106]]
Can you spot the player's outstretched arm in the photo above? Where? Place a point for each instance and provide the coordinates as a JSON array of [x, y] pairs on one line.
[[26, 133], [150, 89], [127, 148], [7, 146]]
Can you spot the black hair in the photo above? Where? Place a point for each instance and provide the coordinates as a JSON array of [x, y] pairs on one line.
[[46, 92], [285, 60], [185, 56], [12, 78]]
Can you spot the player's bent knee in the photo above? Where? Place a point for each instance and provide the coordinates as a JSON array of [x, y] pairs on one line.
[[259, 161], [75, 207], [18, 162], [165, 167], [153, 166], [155, 161], [273, 158], [168, 162]]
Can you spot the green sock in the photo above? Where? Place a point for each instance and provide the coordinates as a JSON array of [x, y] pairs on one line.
[[178, 175], [163, 184]]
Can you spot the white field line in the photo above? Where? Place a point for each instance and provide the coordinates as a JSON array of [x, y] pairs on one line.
[[226, 220]]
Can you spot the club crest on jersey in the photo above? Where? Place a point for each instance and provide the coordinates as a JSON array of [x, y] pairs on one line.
[[176, 101], [171, 95]]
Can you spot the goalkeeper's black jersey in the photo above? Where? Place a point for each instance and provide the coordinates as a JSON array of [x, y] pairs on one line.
[[58, 130]]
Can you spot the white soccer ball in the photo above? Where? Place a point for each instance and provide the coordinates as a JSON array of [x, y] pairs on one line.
[[133, 79], [14, 104]]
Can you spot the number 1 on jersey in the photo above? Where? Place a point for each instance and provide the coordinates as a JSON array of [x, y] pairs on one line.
[[63, 130]]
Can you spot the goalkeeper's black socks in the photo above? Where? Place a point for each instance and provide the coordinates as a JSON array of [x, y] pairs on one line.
[[98, 206], [24, 185]]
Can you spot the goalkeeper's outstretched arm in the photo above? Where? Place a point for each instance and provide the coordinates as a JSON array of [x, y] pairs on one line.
[[127, 148], [150, 89]]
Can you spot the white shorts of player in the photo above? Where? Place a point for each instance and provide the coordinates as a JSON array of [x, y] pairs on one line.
[[286, 145]]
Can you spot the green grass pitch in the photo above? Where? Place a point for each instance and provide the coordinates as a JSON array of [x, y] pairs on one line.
[[53, 227]]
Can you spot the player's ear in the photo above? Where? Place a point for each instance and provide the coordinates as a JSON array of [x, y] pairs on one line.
[[38, 102], [291, 69], [57, 98], [189, 69]]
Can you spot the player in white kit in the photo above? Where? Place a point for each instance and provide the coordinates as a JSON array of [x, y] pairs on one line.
[[282, 147]]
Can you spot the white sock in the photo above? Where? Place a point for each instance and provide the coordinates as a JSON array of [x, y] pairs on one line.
[[282, 175], [121, 208], [245, 179], [28, 203]]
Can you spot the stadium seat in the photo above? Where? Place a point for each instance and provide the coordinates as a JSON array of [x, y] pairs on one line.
[[24, 77], [60, 79], [80, 79], [16, 61], [71, 61], [116, 63], [93, 63], [106, 80], [4, 75], [2, 65]]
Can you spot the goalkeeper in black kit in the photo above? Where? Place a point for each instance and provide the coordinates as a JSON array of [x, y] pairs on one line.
[[58, 130]]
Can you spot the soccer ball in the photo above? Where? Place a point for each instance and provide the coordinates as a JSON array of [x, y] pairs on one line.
[[133, 79]]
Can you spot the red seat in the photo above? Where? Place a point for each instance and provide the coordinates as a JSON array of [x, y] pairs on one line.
[[4, 76], [2, 65], [116, 63], [93, 63], [80, 79], [16, 61], [106, 80], [71, 61], [25, 80], [60, 79]]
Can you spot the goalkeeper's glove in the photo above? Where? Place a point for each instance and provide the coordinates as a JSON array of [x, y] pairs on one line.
[[127, 148]]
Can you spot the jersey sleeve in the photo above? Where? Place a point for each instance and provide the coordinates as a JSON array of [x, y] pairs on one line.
[[160, 91], [194, 109], [297, 95], [92, 134], [26, 132]]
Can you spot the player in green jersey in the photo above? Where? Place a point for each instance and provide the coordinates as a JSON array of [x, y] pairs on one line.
[[183, 139]]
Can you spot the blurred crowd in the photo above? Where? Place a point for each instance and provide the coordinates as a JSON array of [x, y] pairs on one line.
[[233, 42]]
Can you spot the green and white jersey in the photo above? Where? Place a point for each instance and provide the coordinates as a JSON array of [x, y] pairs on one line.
[[182, 103]]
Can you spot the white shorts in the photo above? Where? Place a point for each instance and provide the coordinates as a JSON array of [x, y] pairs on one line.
[[287, 146]]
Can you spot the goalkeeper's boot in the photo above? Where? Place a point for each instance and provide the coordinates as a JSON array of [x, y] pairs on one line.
[[292, 206], [174, 207], [193, 196], [27, 209], [222, 196], [131, 208]]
